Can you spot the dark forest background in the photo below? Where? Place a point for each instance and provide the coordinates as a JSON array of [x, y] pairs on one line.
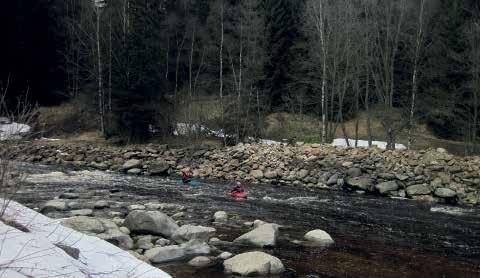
[[131, 68]]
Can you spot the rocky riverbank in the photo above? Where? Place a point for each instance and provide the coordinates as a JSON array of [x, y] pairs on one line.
[[430, 175]]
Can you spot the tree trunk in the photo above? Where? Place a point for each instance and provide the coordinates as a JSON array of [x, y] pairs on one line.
[[101, 107]]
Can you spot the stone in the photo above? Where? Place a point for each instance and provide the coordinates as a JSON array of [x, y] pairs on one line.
[[136, 207], [220, 216], [131, 164], [81, 212], [271, 174], [84, 224], [54, 205], [162, 242], [69, 195], [144, 242], [257, 174], [150, 222], [225, 255], [159, 168], [264, 236], [401, 177], [189, 232], [177, 215], [333, 180], [364, 183], [253, 263], [116, 237], [177, 252], [319, 237], [71, 251], [354, 172], [124, 230], [302, 174], [200, 261], [101, 204], [418, 189], [134, 171], [386, 187], [445, 193], [139, 256], [257, 223]]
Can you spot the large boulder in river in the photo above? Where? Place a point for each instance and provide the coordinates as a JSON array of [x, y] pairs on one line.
[[445, 193], [150, 222], [253, 264], [131, 164], [220, 216], [264, 235], [386, 187], [54, 205], [363, 183], [159, 168], [189, 232], [319, 237], [418, 189], [178, 252]]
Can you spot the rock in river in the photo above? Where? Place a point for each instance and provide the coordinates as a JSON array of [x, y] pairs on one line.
[[177, 252], [150, 222], [418, 189], [131, 164], [54, 205], [220, 216], [319, 237], [264, 235], [363, 183], [200, 261], [253, 264], [386, 187], [445, 193], [189, 232]]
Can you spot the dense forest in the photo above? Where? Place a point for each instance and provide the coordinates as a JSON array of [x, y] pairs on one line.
[[135, 65]]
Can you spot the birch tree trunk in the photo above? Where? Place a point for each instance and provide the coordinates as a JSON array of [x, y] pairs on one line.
[[101, 106]]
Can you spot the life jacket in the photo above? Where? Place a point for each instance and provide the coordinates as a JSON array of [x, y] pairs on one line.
[[186, 176]]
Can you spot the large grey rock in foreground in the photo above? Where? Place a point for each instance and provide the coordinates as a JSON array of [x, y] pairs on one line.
[[445, 193], [189, 232], [264, 235], [150, 222], [177, 252], [386, 187], [253, 264], [319, 237]]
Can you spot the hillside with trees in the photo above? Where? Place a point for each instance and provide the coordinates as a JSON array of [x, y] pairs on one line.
[[362, 69]]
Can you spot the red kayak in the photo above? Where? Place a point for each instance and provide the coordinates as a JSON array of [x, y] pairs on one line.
[[239, 195]]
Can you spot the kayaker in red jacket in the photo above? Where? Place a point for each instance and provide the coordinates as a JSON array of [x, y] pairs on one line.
[[186, 175], [237, 188]]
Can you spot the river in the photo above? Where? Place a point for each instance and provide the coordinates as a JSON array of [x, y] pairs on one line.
[[374, 236]]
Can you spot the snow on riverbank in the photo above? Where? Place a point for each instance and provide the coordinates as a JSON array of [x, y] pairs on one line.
[[35, 253], [340, 142], [13, 130]]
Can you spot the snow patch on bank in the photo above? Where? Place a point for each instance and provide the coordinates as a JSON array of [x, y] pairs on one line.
[[35, 254], [341, 142], [13, 130]]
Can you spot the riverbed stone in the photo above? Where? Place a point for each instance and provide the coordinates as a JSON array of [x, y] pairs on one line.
[[134, 171], [150, 222], [131, 164], [84, 224], [54, 205], [258, 174], [354, 172], [319, 237], [69, 195], [418, 189], [363, 183], [264, 236], [225, 255], [101, 204], [445, 193], [159, 168], [188, 232], [200, 261], [81, 212], [220, 216], [386, 187], [136, 207], [118, 238], [253, 263], [177, 252], [144, 242]]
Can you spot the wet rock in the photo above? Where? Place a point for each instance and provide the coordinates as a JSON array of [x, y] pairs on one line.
[[333, 180], [189, 232], [131, 164], [418, 189], [136, 207], [177, 215], [177, 252], [144, 242], [101, 204], [386, 187], [54, 205], [225, 255], [363, 183], [220, 216], [134, 171], [150, 222], [302, 174], [116, 237], [253, 263], [200, 261], [69, 195], [319, 237], [81, 212], [153, 206], [264, 236], [159, 168], [84, 224], [445, 193], [354, 172], [271, 174], [401, 177], [162, 242], [258, 174], [124, 230]]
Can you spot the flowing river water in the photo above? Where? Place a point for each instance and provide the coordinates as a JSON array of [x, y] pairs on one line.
[[374, 236]]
